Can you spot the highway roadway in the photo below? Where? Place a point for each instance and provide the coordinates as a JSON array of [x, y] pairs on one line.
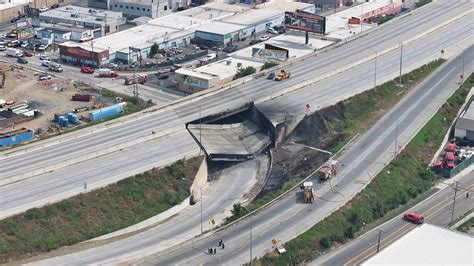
[[437, 210], [419, 22], [46, 188], [289, 217], [61, 183]]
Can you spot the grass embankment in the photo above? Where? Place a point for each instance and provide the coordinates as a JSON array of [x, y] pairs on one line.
[[403, 179], [98, 212], [466, 227], [359, 114]]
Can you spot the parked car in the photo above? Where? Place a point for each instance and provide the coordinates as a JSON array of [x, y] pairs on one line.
[[271, 75], [3, 35], [43, 9], [22, 60], [230, 49], [87, 70], [164, 76], [255, 41], [27, 53], [22, 16], [413, 217], [264, 38], [44, 57], [15, 19], [54, 6], [45, 63], [43, 47], [113, 65], [56, 68], [44, 77], [11, 35], [3, 48], [272, 31]]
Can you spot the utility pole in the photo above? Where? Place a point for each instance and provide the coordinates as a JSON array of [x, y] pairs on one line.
[[361, 16], [250, 223], [401, 61], [462, 74], [54, 38], [135, 85], [378, 242], [200, 189], [454, 200]]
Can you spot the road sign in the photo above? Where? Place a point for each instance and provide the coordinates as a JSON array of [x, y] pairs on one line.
[[274, 241]]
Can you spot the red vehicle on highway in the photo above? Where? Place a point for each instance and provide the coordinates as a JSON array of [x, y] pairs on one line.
[[87, 70], [413, 217], [27, 53]]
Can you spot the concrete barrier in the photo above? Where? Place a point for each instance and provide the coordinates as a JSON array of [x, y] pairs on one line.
[[88, 156], [200, 180]]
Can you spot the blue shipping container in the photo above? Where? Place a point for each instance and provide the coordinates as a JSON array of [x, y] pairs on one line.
[[106, 112], [63, 122], [14, 137], [74, 120]]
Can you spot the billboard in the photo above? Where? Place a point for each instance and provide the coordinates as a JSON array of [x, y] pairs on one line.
[[305, 21], [24, 33], [270, 52], [23, 24], [33, 13]]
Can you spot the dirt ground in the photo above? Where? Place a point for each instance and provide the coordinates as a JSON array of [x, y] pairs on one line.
[[290, 160], [49, 97]]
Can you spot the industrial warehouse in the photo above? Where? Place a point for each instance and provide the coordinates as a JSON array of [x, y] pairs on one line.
[[217, 23]]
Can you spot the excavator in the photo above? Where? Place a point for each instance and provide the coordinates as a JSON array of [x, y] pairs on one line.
[[4, 68]]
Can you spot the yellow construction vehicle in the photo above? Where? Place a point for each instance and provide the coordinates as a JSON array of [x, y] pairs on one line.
[[4, 68], [283, 75]]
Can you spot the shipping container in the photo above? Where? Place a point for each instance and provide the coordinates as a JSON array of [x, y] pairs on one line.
[[104, 113], [15, 137], [63, 121], [74, 120], [82, 97]]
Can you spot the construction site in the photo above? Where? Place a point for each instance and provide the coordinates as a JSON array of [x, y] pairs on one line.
[[46, 104]]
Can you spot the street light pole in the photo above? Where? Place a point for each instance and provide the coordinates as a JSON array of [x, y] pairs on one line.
[[378, 242], [396, 138], [250, 222], [401, 61], [200, 189], [454, 200]]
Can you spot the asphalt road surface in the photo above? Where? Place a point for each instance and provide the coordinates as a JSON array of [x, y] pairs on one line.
[[289, 217], [37, 191], [416, 23], [436, 210]]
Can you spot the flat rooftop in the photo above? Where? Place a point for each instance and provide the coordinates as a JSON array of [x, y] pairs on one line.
[[226, 71], [240, 139], [177, 22], [189, 72], [5, 4], [283, 5], [427, 245], [227, 7], [222, 28], [469, 114], [293, 43], [132, 37], [363, 8], [63, 27], [206, 12], [254, 16], [82, 14]]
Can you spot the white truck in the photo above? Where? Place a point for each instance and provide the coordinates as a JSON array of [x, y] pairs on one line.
[[106, 73], [13, 52]]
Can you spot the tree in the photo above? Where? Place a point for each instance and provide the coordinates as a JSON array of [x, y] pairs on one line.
[[242, 72], [269, 64], [154, 50]]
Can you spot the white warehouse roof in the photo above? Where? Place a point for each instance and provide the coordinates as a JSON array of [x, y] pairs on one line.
[[253, 16], [177, 22], [427, 245], [226, 71], [222, 28]]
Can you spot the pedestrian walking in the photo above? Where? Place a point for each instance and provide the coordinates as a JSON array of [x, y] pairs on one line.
[[223, 246], [209, 250], [467, 195], [220, 242], [215, 250]]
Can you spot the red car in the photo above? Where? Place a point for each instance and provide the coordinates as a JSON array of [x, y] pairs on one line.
[[413, 217], [27, 53], [87, 70]]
